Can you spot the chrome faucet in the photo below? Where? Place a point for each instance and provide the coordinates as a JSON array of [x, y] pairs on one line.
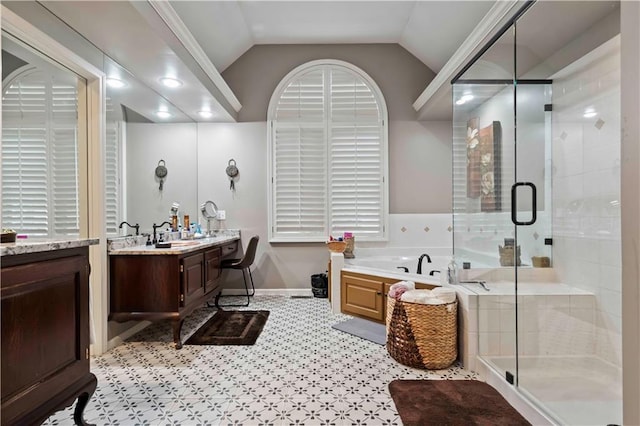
[[136, 226], [422, 256], [156, 227]]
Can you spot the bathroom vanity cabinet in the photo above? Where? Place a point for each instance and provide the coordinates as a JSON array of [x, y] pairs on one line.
[[365, 296], [155, 284], [45, 334]]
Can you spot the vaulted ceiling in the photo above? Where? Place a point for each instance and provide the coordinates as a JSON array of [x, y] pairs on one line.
[[135, 36], [430, 30], [197, 40]]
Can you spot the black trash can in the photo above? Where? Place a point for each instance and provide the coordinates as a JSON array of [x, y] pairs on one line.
[[320, 285]]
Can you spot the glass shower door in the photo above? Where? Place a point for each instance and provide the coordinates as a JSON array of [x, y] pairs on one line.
[[483, 173]]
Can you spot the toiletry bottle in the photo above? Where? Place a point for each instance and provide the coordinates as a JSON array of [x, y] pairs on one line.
[[452, 273], [174, 223], [186, 222]]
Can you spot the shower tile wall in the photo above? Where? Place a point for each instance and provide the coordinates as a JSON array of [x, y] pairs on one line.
[[550, 325], [586, 195]]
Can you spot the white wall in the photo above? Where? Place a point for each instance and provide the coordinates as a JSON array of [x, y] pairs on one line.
[[630, 57], [290, 265], [146, 145]]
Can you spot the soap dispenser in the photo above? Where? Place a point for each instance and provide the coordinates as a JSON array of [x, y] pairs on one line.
[[452, 273]]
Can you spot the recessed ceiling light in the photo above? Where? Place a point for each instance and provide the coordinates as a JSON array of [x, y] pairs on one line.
[[466, 97], [589, 113], [205, 114], [163, 114], [116, 83], [170, 82]]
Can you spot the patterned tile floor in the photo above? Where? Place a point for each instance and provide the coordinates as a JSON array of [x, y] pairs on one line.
[[300, 371]]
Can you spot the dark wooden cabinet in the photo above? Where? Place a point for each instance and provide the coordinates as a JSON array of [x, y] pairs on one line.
[[192, 270], [212, 268], [45, 335], [165, 286]]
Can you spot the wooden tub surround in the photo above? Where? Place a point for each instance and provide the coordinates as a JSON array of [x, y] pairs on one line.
[[166, 284], [365, 296]]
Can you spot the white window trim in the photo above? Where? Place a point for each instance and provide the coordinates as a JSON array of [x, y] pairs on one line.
[[273, 102]]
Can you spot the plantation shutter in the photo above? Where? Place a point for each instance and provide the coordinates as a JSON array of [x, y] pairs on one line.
[[63, 161], [300, 159], [112, 179], [39, 156], [328, 157], [356, 180], [112, 192]]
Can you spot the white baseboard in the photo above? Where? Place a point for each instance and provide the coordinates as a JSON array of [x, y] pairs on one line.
[[269, 292], [120, 338]]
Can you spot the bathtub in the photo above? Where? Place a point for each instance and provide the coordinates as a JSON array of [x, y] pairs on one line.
[[384, 263], [391, 263]]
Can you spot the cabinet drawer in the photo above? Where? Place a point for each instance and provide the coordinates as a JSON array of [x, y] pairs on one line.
[[229, 249], [212, 269]]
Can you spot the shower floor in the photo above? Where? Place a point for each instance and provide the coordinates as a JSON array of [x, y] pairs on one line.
[[574, 390]]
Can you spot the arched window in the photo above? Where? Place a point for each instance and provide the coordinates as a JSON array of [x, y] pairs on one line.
[[328, 155]]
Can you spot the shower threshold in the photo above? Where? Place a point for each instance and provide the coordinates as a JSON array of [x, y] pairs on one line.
[[574, 390]]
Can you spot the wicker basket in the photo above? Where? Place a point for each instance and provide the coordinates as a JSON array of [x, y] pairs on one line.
[[422, 336], [337, 246]]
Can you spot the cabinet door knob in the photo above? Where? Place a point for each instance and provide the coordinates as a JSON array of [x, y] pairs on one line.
[[379, 294]]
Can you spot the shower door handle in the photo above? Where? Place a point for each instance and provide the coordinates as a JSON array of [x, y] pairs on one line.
[[514, 203]]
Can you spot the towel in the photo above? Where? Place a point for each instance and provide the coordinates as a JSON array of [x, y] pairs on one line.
[[437, 296], [396, 290], [424, 297], [446, 294]]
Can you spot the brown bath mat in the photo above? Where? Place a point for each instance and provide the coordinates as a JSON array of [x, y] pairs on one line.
[[230, 328], [452, 402]]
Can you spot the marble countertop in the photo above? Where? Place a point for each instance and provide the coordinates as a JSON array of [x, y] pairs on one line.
[[38, 245], [177, 246]]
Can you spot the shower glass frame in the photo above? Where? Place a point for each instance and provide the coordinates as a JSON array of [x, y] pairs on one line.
[[537, 342]]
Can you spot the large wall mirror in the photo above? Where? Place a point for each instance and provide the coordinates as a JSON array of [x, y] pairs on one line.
[[41, 144], [143, 131], [142, 128]]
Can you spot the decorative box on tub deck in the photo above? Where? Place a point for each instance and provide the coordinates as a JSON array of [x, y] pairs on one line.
[[422, 336]]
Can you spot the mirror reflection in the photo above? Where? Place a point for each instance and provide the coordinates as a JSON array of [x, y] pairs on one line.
[[146, 132], [40, 143]]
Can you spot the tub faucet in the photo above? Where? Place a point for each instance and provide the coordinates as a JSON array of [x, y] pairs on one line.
[[155, 240], [136, 226], [422, 256]]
